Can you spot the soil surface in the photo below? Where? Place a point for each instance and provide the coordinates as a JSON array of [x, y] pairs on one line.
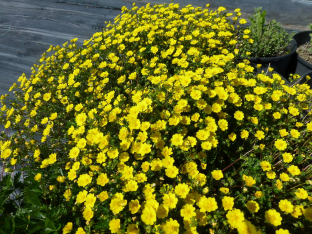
[[305, 52]]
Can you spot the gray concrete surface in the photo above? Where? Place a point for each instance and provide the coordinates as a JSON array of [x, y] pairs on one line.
[[29, 27]]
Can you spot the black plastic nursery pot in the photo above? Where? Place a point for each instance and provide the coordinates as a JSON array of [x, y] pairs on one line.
[[302, 66], [283, 65]]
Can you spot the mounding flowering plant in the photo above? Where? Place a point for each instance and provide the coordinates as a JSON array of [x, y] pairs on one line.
[[158, 125]]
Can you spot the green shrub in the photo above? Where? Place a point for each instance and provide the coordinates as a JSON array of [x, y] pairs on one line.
[[157, 125], [269, 40]]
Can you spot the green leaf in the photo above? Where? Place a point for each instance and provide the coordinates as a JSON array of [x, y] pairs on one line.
[[49, 226], [7, 181], [9, 226], [17, 178], [34, 227], [20, 223], [39, 215], [31, 197], [4, 195]]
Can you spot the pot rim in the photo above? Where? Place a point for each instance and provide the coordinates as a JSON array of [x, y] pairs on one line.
[[302, 32]]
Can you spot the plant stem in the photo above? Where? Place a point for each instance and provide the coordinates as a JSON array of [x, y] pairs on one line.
[[237, 160]]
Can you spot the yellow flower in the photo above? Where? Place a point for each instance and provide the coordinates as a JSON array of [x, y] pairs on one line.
[[46, 96], [90, 200], [283, 132], [282, 231], [134, 206], [284, 177], [249, 180], [80, 231], [177, 140], [286, 206], [133, 229], [202, 134], [217, 174], [87, 213], [72, 174], [223, 124], [224, 190], [294, 111], [273, 217], [279, 184], [294, 170], [52, 158], [102, 179], [254, 120], [247, 227], [216, 108], [295, 133], [162, 211], [81, 119], [81, 143], [187, 212], [271, 175], [148, 216], [67, 228], [84, 180], [235, 217], [53, 116], [298, 209], [266, 166], [280, 144], [170, 200], [171, 227], [309, 127], [252, 206], [154, 49], [81, 196], [207, 204], [38, 177], [196, 94], [301, 193], [259, 194], [130, 186], [228, 203], [117, 203], [172, 171], [145, 166], [287, 157], [244, 134], [74, 152], [239, 115], [277, 115], [308, 214], [232, 136], [114, 225], [103, 196], [182, 190], [67, 194], [8, 124], [260, 135], [242, 21]]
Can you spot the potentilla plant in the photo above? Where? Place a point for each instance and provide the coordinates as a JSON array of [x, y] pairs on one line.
[[158, 125]]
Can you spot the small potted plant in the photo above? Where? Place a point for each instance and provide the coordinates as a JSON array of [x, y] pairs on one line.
[[269, 44], [304, 51]]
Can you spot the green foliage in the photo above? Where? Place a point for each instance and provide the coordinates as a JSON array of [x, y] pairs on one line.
[[269, 40]]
